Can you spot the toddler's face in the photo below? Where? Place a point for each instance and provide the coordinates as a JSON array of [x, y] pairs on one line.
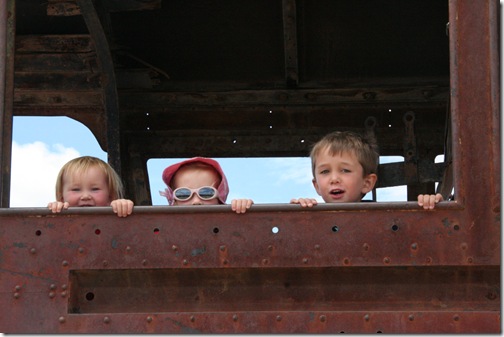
[[86, 189], [194, 178], [340, 177]]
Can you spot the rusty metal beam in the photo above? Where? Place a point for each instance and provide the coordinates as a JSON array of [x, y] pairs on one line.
[[110, 96], [7, 38], [290, 43], [475, 104]]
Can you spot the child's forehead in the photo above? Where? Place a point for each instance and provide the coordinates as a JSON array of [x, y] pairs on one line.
[[331, 151], [83, 172], [192, 171]]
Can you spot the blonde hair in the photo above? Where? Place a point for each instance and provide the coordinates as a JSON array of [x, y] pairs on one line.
[[365, 148], [82, 164]]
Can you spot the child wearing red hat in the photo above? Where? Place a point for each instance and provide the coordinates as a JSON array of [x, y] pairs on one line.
[[199, 181]]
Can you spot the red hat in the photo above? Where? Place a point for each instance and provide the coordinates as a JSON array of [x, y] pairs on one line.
[[169, 173]]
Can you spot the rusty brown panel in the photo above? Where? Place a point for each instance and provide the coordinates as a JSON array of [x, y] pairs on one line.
[[54, 44], [406, 93], [387, 267], [282, 289], [55, 62], [475, 107], [54, 100], [63, 81]]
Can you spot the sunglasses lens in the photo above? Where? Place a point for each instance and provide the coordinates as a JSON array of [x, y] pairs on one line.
[[206, 193], [182, 193]]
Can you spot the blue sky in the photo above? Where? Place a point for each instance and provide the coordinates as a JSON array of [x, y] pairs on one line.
[[41, 145]]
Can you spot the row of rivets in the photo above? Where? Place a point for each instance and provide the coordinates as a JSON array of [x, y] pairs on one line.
[[322, 318]]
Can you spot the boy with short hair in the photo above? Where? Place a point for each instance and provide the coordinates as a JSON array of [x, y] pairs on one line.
[[199, 181], [344, 167]]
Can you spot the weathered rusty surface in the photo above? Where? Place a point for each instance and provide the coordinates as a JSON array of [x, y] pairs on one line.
[[355, 268], [7, 33], [278, 268]]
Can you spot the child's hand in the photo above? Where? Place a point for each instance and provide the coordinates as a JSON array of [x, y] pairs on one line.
[[241, 205], [428, 201], [304, 202], [123, 207], [57, 206]]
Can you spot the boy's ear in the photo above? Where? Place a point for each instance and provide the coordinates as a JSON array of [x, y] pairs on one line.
[[369, 182], [315, 184]]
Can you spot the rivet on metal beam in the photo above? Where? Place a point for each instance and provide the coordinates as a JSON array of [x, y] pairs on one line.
[[386, 260], [185, 262], [222, 248], [365, 247], [61, 319], [428, 260], [52, 287], [144, 262], [323, 318], [235, 317], [279, 318], [366, 317], [64, 287], [16, 295], [463, 246], [106, 320], [456, 318], [64, 263], [192, 318], [81, 250], [17, 288], [105, 263], [149, 319], [414, 246], [305, 260], [51, 294], [411, 317], [317, 247], [346, 261], [174, 247], [63, 294], [33, 251], [469, 260]]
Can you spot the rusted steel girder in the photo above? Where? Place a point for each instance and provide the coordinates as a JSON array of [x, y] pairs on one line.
[[110, 95], [7, 33], [357, 268]]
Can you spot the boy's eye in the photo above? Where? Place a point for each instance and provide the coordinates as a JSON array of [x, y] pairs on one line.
[[324, 171], [345, 170]]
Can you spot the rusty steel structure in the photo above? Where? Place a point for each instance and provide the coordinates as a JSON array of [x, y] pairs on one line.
[[213, 78]]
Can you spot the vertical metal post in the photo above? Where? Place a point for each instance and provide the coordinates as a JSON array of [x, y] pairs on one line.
[[110, 95], [7, 34]]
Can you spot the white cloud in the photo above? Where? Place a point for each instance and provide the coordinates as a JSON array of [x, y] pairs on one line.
[[35, 167]]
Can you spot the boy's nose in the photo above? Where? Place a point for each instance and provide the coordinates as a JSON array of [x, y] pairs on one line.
[[335, 178]]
